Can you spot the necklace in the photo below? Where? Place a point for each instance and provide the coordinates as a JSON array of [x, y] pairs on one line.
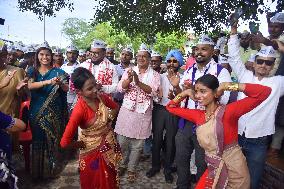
[[208, 117]]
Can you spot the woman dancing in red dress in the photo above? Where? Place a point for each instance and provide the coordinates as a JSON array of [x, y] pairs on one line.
[[99, 151], [217, 129]]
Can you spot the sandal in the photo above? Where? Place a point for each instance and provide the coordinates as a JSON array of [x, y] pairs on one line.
[[131, 176]]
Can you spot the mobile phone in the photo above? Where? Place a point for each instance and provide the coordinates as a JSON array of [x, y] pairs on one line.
[[253, 27], [235, 16]]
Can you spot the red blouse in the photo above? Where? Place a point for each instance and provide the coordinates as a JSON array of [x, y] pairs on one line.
[[81, 114], [255, 93]]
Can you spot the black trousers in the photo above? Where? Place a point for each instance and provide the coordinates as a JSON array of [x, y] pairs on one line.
[[162, 121], [186, 142]]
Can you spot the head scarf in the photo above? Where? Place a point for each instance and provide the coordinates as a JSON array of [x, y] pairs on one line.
[[177, 55]]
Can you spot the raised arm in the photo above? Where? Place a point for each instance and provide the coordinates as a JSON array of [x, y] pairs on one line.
[[193, 115], [255, 93], [235, 61]]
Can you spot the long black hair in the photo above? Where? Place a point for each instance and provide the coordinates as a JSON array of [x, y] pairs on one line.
[[80, 76]]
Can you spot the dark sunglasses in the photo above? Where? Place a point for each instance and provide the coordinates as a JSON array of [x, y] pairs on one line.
[[267, 62], [173, 61]]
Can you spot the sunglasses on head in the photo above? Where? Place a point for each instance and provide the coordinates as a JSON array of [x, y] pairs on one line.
[[173, 61], [267, 62]]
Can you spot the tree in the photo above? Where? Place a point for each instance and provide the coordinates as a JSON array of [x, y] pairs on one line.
[[167, 42], [153, 16], [44, 7], [147, 18], [82, 34]]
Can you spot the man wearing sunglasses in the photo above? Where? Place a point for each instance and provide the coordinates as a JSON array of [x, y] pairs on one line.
[[255, 127]]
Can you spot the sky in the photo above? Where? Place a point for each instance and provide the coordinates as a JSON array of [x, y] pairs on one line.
[[26, 27]]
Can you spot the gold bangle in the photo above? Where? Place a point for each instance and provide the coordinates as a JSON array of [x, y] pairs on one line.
[[178, 98], [232, 87]]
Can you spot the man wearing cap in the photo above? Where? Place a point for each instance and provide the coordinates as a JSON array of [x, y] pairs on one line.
[[103, 70], [125, 63], [69, 66], [20, 51], [163, 121], [156, 61], [82, 56], [110, 55], [133, 124], [12, 56], [255, 127], [58, 58], [29, 57], [186, 140], [275, 30]]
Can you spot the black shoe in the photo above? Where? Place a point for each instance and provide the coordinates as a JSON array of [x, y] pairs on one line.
[[152, 172], [169, 178]]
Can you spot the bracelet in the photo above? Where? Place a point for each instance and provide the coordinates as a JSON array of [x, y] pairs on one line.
[[232, 87], [178, 98]]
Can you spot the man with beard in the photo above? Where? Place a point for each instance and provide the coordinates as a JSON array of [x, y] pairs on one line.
[[110, 55], [185, 139], [82, 56], [156, 61], [58, 58], [12, 56], [103, 70], [69, 66], [256, 127], [162, 120]]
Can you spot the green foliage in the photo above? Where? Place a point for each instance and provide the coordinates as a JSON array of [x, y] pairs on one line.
[[82, 34], [167, 42], [153, 16], [44, 7]]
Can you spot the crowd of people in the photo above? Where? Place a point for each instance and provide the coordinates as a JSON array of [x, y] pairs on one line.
[[221, 111]]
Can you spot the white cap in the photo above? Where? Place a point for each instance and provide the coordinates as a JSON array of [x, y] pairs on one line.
[[98, 44], [128, 49], [266, 51], [82, 52], [223, 59], [109, 48], [71, 47], [154, 53], [19, 46], [30, 49], [252, 58], [278, 18], [44, 44], [11, 49], [205, 39], [57, 50], [143, 47]]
